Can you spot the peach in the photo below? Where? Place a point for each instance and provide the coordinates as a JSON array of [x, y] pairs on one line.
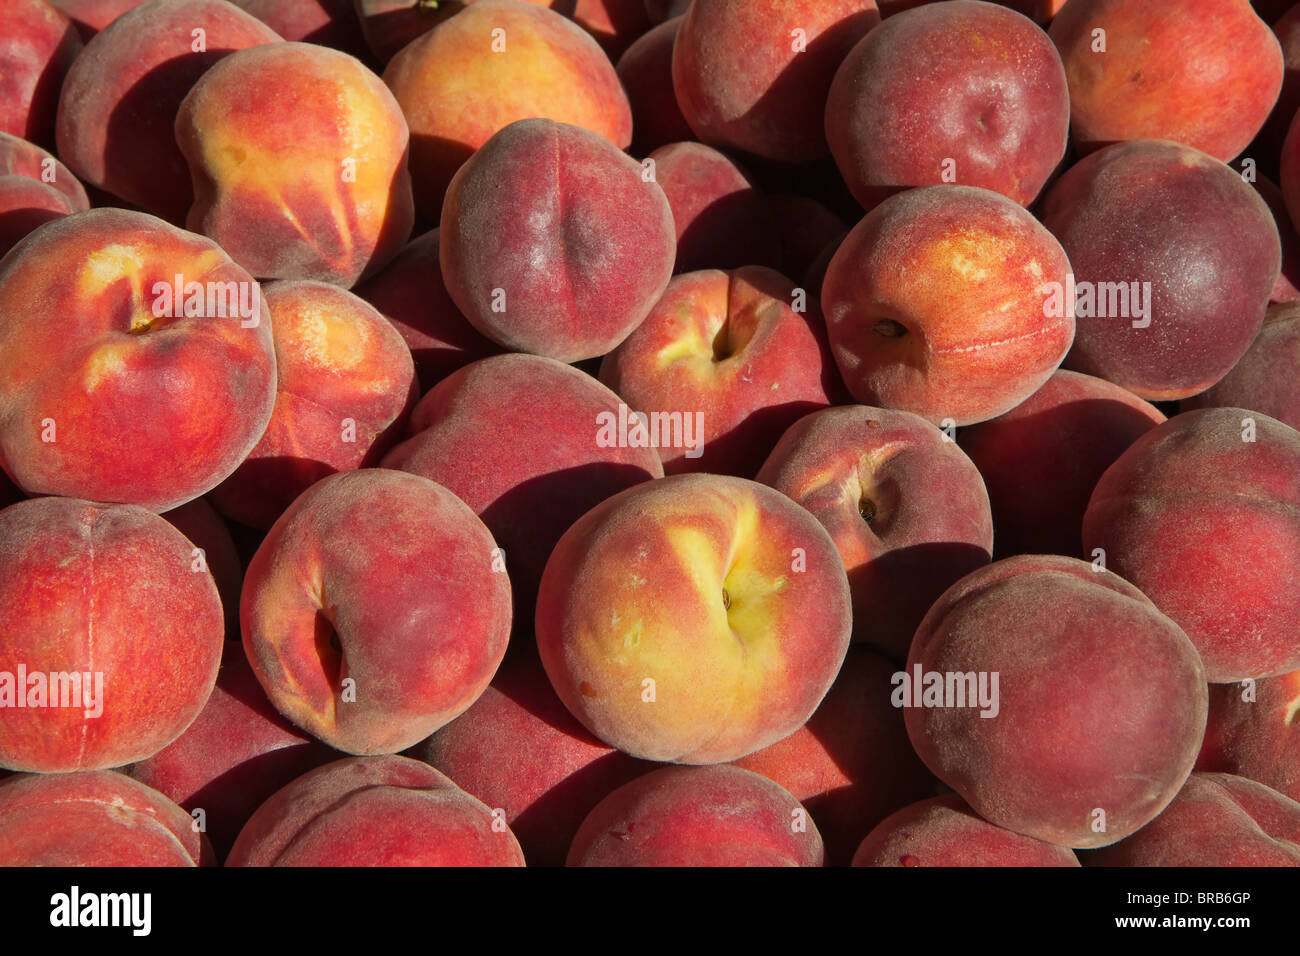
[[1166, 303], [906, 508], [1253, 732], [234, 757], [118, 108], [851, 765], [646, 71], [943, 831], [613, 23], [1206, 78], [527, 476], [722, 219], [310, 186], [374, 811], [1263, 380], [95, 818], [1216, 820], [1055, 699], [374, 612], [937, 303], [495, 62], [26, 204], [698, 816], [149, 316], [517, 749], [735, 357], [389, 25], [958, 92], [94, 675], [409, 293], [553, 242], [345, 384], [331, 23], [694, 619], [1041, 460], [773, 106], [206, 530], [40, 44], [21, 158], [1148, 516], [91, 16]]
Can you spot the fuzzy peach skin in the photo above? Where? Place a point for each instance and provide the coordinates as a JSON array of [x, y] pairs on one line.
[[1263, 380], [1041, 460], [372, 613], [517, 438], [1254, 731], [234, 757], [97, 818], [935, 304], [207, 531], [312, 185], [463, 81], [374, 811], [91, 16], [773, 105], [72, 390], [1201, 72], [553, 242], [721, 217], [698, 816], [26, 204], [1100, 707], [409, 293], [961, 92], [694, 619], [1199, 241], [389, 25], [906, 508], [18, 157], [1217, 819], [517, 749], [117, 111], [851, 765], [729, 352], [1227, 574], [646, 71], [40, 44], [944, 831], [146, 655], [345, 384]]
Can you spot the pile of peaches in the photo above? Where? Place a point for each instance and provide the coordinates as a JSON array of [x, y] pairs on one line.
[[634, 432]]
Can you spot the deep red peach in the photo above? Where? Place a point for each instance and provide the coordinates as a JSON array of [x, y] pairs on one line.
[[698, 816], [374, 811]]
